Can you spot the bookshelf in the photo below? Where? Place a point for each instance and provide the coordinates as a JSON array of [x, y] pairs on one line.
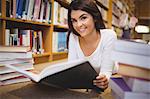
[[120, 7], [110, 9], [47, 28]]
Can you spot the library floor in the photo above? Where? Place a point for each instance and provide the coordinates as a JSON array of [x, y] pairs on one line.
[[31, 90]]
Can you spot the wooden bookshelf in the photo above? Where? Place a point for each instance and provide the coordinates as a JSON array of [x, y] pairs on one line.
[[48, 28]]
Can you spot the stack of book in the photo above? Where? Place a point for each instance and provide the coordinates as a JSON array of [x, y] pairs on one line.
[[20, 57], [134, 67]]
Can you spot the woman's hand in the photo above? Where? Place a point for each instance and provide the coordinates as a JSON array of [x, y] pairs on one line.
[[101, 81]]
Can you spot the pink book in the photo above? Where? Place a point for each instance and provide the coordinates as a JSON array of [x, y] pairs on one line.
[[36, 9]]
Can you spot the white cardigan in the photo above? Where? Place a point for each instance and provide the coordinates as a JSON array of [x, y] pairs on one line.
[[100, 58]]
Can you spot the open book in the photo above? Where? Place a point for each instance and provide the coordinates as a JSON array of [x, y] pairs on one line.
[[71, 74]]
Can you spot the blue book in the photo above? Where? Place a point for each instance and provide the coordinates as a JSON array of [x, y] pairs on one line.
[[20, 9]]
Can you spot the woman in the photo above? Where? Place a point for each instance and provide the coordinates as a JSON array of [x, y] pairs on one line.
[[89, 39]]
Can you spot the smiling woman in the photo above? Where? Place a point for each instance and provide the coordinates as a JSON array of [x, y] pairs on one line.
[[88, 38]]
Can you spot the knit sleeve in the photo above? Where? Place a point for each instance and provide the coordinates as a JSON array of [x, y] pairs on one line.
[[107, 64]]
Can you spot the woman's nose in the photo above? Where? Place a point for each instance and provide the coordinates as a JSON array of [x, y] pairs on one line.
[[79, 23]]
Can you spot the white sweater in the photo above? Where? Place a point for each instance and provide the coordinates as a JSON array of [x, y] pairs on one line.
[[100, 58]]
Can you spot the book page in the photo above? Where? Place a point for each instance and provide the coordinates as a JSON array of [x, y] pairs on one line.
[[30, 75], [52, 69]]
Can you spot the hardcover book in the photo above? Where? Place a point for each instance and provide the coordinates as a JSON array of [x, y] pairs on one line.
[[14, 80], [71, 74], [136, 60], [133, 47], [122, 90], [134, 72], [15, 49], [137, 85]]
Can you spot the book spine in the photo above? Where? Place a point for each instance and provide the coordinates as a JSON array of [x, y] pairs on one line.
[[132, 59], [36, 9]]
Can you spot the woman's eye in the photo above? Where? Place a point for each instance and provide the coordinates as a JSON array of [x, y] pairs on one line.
[[83, 18]]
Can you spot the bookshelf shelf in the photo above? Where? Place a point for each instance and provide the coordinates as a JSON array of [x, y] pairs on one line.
[[24, 21], [60, 28], [41, 55], [59, 56]]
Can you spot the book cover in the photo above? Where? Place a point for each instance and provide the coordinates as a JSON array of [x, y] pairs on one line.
[[134, 72], [123, 91], [133, 47], [7, 35], [9, 75], [55, 20], [141, 61], [19, 9], [36, 9], [47, 12], [8, 3], [14, 55], [30, 9], [41, 11], [14, 48], [14, 80], [71, 74], [0, 8], [23, 66], [137, 85]]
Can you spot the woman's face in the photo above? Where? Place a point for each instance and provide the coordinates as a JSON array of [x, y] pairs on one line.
[[82, 22]]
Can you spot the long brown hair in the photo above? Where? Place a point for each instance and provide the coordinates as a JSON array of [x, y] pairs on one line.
[[88, 6]]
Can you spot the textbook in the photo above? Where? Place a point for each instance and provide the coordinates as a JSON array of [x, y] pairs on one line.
[[77, 74], [133, 47], [137, 85], [14, 48], [122, 90], [137, 60], [14, 80], [134, 71]]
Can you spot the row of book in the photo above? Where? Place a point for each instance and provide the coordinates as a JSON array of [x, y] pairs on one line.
[[134, 67], [59, 42], [60, 14], [20, 57], [34, 39], [17, 37], [37, 10]]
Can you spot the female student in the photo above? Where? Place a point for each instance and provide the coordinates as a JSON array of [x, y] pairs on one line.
[[89, 39]]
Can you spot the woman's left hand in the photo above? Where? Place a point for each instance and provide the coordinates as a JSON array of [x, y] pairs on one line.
[[101, 81]]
